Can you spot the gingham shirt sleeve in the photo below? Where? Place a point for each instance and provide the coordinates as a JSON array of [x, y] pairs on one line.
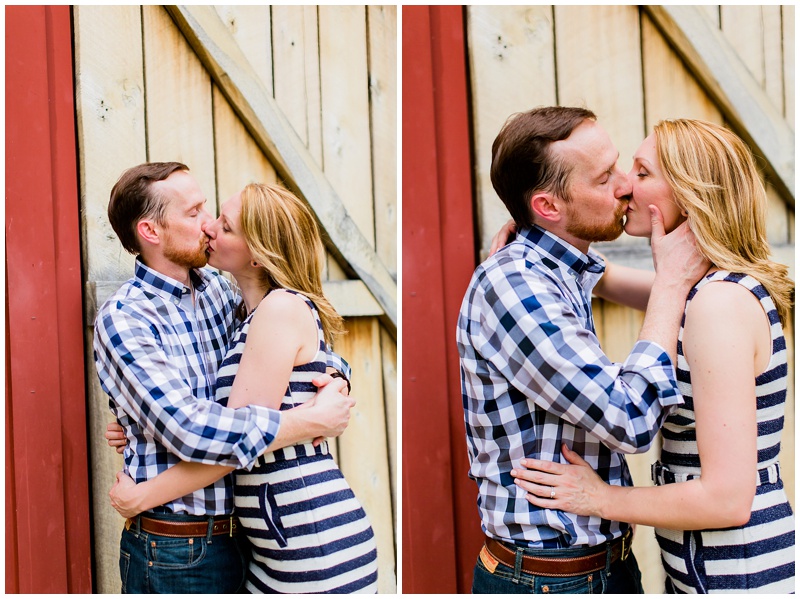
[[337, 362], [529, 332], [135, 370]]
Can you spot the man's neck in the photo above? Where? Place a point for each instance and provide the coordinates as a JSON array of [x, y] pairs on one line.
[[554, 229], [167, 268]]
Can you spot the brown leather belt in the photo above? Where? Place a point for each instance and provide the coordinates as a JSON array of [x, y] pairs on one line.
[[561, 566], [223, 525]]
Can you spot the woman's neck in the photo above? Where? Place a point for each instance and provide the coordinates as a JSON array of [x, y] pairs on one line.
[[252, 289]]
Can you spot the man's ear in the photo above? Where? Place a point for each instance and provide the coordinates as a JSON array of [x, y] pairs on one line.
[[546, 207], [149, 231]]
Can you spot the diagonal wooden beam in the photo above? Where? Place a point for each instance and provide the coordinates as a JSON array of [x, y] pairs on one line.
[[220, 54], [713, 61]]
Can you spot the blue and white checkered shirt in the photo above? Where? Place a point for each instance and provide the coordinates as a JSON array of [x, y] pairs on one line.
[[533, 376], [157, 355]]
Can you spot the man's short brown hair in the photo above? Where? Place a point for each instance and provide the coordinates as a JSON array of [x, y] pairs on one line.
[[523, 162], [133, 199]]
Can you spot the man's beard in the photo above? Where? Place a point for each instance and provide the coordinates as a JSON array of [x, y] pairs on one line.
[[592, 231], [188, 258]]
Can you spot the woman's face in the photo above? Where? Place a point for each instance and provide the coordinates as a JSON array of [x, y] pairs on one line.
[[649, 187], [227, 248]]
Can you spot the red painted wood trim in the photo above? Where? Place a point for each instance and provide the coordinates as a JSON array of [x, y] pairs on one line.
[[458, 254], [50, 486], [441, 530], [428, 562]]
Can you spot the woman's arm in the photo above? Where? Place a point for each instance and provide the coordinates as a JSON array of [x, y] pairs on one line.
[[282, 334], [724, 337], [130, 499], [625, 286]]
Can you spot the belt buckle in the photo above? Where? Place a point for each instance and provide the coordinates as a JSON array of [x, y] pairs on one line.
[[230, 525], [626, 547]]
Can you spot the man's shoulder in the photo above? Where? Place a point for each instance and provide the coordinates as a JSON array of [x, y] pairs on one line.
[[517, 261]]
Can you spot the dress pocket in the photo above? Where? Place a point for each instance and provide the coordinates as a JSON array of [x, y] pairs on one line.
[[268, 508]]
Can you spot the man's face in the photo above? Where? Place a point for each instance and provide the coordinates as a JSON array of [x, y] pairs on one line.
[[184, 242], [598, 188]]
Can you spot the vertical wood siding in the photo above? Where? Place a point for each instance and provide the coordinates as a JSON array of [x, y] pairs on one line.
[[615, 61], [144, 95]]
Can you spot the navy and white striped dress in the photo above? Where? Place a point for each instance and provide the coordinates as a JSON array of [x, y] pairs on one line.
[[759, 556], [309, 533]]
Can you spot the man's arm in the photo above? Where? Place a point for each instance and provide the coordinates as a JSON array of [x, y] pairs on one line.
[[524, 326], [145, 385]]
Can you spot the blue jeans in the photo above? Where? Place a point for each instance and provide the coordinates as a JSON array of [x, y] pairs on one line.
[[151, 563], [623, 576]]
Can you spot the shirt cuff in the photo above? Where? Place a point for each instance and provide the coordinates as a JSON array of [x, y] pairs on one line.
[[650, 371], [268, 422]]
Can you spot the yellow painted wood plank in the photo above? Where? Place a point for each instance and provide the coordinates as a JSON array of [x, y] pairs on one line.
[[363, 453], [743, 27], [224, 60], [179, 111], [345, 111], [603, 72], [239, 160], [512, 69], [670, 90], [777, 220], [290, 48], [382, 31], [250, 27], [110, 119], [389, 357], [717, 66], [787, 23], [773, 55]]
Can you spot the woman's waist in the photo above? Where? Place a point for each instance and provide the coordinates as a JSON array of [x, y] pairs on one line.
[[306, 449]]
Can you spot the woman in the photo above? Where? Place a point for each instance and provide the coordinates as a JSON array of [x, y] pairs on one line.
[[308, 532], [728, 525]]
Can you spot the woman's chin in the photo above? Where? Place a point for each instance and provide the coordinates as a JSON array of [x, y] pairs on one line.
[[636, 230]]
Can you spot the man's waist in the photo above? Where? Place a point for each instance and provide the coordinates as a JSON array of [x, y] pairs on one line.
[[559, 562]]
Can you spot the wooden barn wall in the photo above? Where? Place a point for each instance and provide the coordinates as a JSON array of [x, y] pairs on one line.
[[615, 61], [143, 95]]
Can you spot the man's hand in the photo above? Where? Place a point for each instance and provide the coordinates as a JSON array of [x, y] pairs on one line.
[[115, 435], [331, 406], [503, 236], [676, 257]]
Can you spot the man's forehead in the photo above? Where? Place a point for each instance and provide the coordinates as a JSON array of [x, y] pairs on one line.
[[588, 144]]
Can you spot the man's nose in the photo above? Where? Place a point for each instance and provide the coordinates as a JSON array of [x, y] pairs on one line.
[[208, 226], [624, 189]]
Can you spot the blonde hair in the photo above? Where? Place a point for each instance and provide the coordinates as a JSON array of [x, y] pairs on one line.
[[714, 178], [284, 238]]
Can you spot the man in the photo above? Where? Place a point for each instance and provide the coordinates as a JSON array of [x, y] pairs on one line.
[[533, 374], [159, 341]]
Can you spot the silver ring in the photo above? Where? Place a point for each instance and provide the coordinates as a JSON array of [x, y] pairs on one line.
[[552, 493]]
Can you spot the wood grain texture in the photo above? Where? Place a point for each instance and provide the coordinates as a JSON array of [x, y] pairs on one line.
[[110, 105], [363, 448], [512, 69], [292, 161], [716, 65], [382, 55]]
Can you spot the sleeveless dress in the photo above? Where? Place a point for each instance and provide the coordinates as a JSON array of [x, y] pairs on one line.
[[759, 556], [308, 532]]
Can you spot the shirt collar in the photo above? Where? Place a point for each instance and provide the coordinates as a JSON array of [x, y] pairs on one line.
[[164, 285], [555, 248]]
